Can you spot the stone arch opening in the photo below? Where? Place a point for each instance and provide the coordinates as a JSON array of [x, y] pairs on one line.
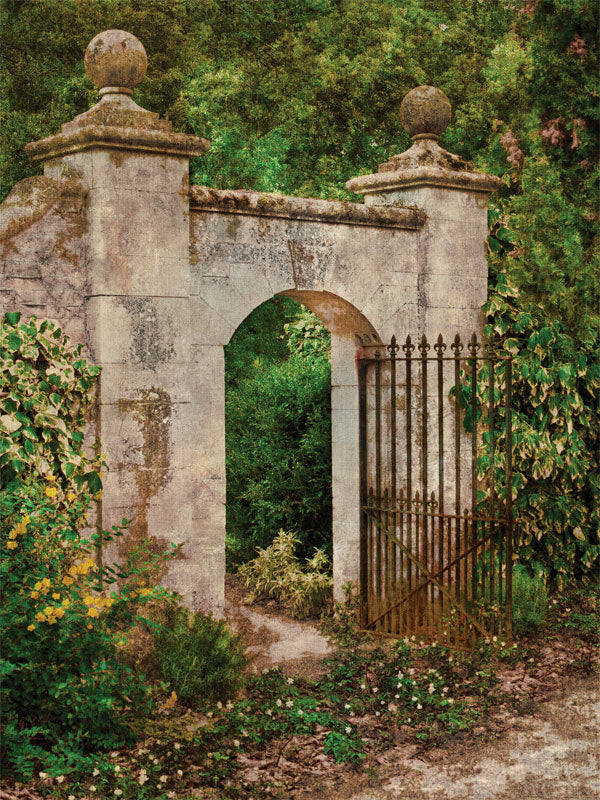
[[350, 332]]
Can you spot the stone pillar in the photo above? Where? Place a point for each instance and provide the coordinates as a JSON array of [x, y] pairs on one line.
[[138, 307], [452, 264]]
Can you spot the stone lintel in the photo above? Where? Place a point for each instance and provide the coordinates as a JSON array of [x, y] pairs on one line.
[[94, 136], [424, 176], [238, 201]]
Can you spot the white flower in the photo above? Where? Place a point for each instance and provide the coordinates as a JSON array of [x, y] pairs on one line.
[[143, 777], [164, 778], [400, 675], [374, 690], [92, 788], [289, 703], [362, 686], [219, 704], [244, 733], [278, 703], [382, 702], [444, 690], [431, 688], [419, 706], [351, 714], [377, 714], [60, 778], [118, 792], [411, 671], [409, 720], [290, 681], [156, 761], [300, 712], [443, 27], [414, 699], [396, 696], [43, 775], [236, 743], [96, 772], [450, 699], [494, 639], [117, 768], [171, 794], [71, 797], [177, 746], [348, 729], [347, 705], [269, 712]]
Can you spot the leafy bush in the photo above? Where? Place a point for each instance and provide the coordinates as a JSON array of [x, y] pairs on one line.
[[530, 601], [45, 392], [556, 440], [199, 657], [65, 693], [277, 572]]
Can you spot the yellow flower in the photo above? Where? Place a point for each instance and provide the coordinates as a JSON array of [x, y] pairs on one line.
[[35, 595], [55, 596], [93, 612], [31, 627], [38, 586], [51, 491], [144, 592], [13, 534], [88, 599], [40, 616], [12, 545], [73, 570], [59, 612], [46, 582], [50, 477], [90, 626], [71, 496], [48, 610], [67, 580], [66, 602]]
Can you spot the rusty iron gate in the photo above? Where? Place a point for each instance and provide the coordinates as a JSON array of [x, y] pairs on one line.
[[436, 461]]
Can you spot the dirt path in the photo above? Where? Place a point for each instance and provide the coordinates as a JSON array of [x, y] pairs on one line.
[[553, 755]]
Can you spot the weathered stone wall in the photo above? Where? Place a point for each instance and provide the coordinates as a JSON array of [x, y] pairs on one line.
[[43, 227]]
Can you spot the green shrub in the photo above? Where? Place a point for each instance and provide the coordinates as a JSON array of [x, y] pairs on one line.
[[277, 572], [199, 657], [65, 694], [46, 388], [530, 601]]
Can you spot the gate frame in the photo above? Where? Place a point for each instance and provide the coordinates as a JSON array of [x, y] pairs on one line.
[[375, 502]]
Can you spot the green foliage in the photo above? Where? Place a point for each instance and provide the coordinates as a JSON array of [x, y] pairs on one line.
[[304, 589], [278, 433], [530, 601], [44, 393], [65, 693], [556, 470], [199, 657]]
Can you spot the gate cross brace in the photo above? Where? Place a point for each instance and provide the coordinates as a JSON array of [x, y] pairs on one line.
[[430, 578]]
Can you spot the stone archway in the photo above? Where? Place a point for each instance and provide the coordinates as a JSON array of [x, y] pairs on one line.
[[154, 276]]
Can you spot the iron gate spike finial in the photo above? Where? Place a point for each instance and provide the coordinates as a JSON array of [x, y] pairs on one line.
[[409, 347], [473, 345], [424, 346], [393, 347], [439, 346], [456, 345]]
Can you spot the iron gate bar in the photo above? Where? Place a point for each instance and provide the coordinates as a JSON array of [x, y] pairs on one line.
[[428, 581], [442, 588], [387, 570]]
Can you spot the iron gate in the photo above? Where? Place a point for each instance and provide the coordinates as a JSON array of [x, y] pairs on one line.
[[436, 530]]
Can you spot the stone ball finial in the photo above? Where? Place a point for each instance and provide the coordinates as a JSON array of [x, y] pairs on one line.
[[425, 112], [115, 61]]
